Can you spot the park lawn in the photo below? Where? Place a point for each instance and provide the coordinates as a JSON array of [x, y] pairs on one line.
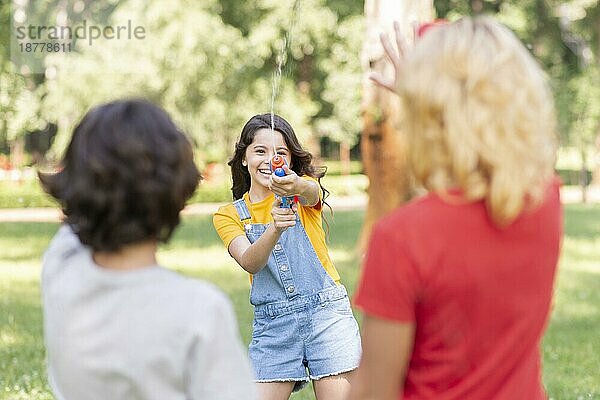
[[571, 346]]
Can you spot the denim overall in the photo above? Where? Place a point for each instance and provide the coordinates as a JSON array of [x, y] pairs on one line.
[[302, 319]]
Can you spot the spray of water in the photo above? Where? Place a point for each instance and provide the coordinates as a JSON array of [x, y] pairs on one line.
[[280, 63], [281, 58]]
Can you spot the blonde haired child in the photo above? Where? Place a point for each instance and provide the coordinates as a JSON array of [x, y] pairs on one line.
[[457, 285]]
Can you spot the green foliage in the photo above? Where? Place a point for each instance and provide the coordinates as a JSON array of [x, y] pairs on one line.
[[568, 51], [29, 194], [193, 78], [335, 168], [212, 193], [349, 185], [586, 105], [209, 63], [573, 177], [342, 88], [19, 97], [570, 349]]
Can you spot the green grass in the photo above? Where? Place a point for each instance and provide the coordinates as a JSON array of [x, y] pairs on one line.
[[571, 346]]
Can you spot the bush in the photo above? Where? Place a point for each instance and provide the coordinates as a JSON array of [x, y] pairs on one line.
[[212, 193], [27, 193], [350, 185], [335, 167], [571, 176]]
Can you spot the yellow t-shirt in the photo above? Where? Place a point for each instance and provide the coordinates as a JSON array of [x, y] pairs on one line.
[[229, 226]]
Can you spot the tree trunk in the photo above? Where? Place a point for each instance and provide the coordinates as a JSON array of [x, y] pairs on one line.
[[596, 172], [17, 155], [583, 174], [4, 145], [382, 146], [345, 158], [477, 6]]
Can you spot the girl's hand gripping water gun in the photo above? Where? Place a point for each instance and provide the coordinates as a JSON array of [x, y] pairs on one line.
[[277, 163]]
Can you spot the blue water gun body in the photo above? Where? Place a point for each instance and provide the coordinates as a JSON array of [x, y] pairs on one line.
[[277, 163]]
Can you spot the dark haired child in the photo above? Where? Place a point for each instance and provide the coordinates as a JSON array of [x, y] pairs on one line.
[[116, 324], [302, 315]]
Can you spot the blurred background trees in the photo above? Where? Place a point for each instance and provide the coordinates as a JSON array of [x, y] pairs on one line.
[[210, 63]]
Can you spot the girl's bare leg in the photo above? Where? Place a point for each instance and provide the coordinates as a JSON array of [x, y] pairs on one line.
[[336, 387], [274, 390]]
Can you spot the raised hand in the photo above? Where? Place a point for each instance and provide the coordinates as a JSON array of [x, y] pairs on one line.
[[395, 55]]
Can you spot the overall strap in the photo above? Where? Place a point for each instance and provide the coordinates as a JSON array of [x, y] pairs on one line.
[[242, 209]]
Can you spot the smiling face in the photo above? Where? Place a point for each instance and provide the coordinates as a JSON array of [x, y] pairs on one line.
[[257, 158]]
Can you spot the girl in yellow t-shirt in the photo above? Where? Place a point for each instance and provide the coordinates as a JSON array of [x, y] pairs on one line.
[[303, 326]]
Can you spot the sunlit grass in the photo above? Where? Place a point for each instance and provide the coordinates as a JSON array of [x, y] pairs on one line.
[[571, 346]]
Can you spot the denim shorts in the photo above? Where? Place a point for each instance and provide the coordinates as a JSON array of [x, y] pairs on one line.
[[309, 337]]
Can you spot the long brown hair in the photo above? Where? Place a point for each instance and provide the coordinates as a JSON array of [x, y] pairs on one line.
[[301, 159]]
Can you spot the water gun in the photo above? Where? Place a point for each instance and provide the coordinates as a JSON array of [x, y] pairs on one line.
[[277, 163]]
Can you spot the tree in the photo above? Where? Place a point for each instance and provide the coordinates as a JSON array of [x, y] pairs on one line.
[[209, 63], [341, 91], [382, 146], [565, 37], [22, 76], [212, 86]]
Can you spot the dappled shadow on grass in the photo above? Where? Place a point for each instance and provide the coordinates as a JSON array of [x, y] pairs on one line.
[[344, 228], [582, 221], [194, 232], [571, 343], [579, 253], [349, 273], [345, 232], [577, 295], [23, 373], [20, 314], [25, 241], [571, 359], [28, 230]]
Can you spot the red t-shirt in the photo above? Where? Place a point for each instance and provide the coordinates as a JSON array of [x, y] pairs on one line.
[[479, 295]]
